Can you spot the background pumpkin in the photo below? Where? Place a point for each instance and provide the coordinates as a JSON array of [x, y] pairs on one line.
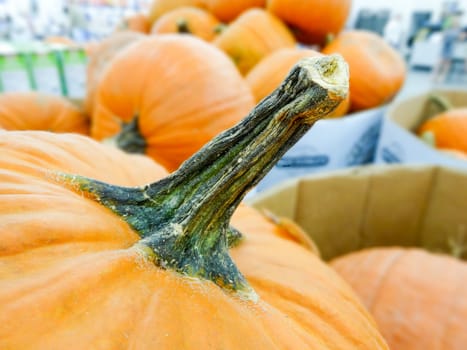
[[416, 297], [41, 111], [268, 73], [181, 93], [227, 10], [313, 20], [98, 279], [100, 57], [253, 35], [138, 22], [188, 20], [449, 129], [377, 71], [159, 7]]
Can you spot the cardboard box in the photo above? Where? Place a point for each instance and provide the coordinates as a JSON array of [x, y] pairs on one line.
[[376, 205], [398, 143], [330, 144]]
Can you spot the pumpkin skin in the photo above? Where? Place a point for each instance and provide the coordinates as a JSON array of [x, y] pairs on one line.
[[160, 7], [187, 20], [100, 58], [41, 111], [416, 297], [200, 95], [313, 20], [253, 35], [139, 22], [449, 129], [227, 10], [377, 71], [69, 264]]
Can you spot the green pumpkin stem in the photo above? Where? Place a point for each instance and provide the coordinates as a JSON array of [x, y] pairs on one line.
[[129, 139], [182, 26], [184, 218]]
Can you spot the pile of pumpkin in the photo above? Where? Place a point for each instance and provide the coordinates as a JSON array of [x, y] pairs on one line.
[[71, 272]]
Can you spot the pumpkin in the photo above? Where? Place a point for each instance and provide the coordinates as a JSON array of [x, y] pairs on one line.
[[377, 71], [138, 22], [99, 59], [416, 297], [41, 111], [86, 266], [253, 35], [160, 7], [227, 10], [449, 129], [313, 20], [266, 76], [188, 20], [182, 91]]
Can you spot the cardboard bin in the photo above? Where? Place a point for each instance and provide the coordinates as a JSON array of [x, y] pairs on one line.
[[376, 205], [398, 143]]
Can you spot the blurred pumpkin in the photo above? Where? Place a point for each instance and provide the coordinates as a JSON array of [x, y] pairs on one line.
[[313, 21], [41, 111], [100, 57], [138, 22], [160, 7], [448, 129], [253, 35], [377, 71], [228, 10], [187, 20], [182, 91], [417, 298]]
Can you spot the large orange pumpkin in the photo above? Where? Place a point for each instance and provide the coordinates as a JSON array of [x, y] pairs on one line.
[[313, 20], [377, 71], [187, 20], [88, 265], [181, 92], [228, 10], [101, 55], [253, 35], [41, 111], [449, 129], [416, 297]]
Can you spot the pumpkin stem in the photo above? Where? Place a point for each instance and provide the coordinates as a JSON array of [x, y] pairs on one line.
[[434, 105], [184, 218], [182, 26], [129, 138]]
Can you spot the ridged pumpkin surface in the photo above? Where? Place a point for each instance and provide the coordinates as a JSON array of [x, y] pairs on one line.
[[181, 90], [41, 111], [416, 297], [252, 36], [71, 276]]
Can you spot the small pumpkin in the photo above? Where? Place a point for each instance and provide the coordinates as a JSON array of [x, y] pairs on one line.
[[100, 57], [132, 267], [252, 36], [41, 111], [160, 7], [138, 22], [266, 76], [417, 298], [377, 71], [182, 91], [228, 10], [448, 129], [313, 21], [187, 20]]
